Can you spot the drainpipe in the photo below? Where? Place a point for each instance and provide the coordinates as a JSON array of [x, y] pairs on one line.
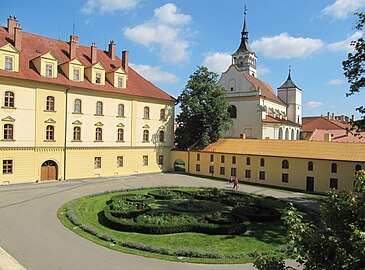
[[65, 135]]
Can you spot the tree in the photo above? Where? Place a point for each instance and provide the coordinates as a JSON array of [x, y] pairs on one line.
[[354, 68], [204, 110]]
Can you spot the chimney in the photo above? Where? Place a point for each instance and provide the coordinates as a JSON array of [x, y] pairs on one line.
[[12, 23], [74, 45], [333, 116], [125, 61], [328, 115], [94, 53], [112, 50], [352, 118], [327, 138], [18, 34]]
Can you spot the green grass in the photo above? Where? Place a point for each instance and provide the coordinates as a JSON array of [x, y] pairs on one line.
[[261, 237]]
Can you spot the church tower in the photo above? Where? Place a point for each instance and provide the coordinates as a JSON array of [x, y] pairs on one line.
[[292, 96], [244, 58]]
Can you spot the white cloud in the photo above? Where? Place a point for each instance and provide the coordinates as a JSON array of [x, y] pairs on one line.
[[284, 46], [217, 61], [163, 35], [344, 45], [108, 6], [262, 70], [340, 9], [335, 82], [155, 74], [313, 104]]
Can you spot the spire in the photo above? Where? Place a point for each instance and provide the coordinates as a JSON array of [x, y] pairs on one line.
[[244, 46], [289, 83]]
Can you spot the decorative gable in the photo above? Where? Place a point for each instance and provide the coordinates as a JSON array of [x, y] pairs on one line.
[[120, 125], [9, 58], [118, 78], [96, 74], [46, 65], [99, 124], [74, 70], [50, 121], [8, 119], [77, 122], [146, 126]]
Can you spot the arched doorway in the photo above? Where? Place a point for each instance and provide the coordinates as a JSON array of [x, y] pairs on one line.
[[49, 170], [179, 165]]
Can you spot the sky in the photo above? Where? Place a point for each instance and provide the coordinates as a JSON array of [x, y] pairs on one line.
[[167, 40]]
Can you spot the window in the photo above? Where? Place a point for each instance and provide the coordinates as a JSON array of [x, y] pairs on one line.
[[120, 82], [146, 113], [162, 114], [211, 158], [50, 133], [222, 159], [334, 183], [285, 164], [50, 102], [285, 178], [232, 110], [248, 161], [198, 157], [76, 74], [146, 135], [248, 173], [262, 175], [98, 78], [310, 166], [97, 162], [357, 168], [77, 106], [120, 135], [120, 162], [281, 134], [222, 170], [161, 136], [262, 162], [121, 110], [7, 166], [77, 134], [145, 160], [8, 132], [233, 160], [333, 168], [99, 108], [9, 99], [211, 169], [160, 160], [233, 172], [8, 63], [98, 135], [49, 70], [197, 167]]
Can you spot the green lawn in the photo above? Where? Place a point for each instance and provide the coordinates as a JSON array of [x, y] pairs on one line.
[[261, 237]]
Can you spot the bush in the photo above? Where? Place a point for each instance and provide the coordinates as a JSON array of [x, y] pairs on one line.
[[140, 198], [255, 212], [126, 209], [163, 194], [223, 218]]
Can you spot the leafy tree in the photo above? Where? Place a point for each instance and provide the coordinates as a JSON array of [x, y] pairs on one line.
[[204, 110], [354, 68]]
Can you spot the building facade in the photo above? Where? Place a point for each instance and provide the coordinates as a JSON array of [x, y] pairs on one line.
[[70, 111], [256, 111]]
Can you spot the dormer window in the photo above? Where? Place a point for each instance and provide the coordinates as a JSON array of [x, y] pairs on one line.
[[76, 75], [8, 63], [120, 82], [98, 78], [49, 70]]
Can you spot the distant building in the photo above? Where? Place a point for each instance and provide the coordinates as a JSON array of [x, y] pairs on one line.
[[256, 111], [329, 128]]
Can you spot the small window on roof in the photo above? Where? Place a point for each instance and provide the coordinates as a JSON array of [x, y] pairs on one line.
[[98, 78], [49, 70]]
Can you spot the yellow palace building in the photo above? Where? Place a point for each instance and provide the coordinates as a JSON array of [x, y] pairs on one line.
[[70, 111]]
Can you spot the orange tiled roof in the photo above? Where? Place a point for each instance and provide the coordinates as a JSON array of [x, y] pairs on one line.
[[317, 122], [34, 46], [270, 119]]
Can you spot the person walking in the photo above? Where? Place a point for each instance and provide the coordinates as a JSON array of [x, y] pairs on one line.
[[235, 184]]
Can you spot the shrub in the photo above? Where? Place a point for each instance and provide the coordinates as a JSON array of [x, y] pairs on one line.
[[140, 198], [163, 194], [126, 209], [255, 212]]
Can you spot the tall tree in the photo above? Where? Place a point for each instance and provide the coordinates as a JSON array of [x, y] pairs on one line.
[[204, 110], [354, 68]]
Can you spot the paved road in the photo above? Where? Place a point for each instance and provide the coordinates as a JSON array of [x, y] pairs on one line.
[[32, 234]]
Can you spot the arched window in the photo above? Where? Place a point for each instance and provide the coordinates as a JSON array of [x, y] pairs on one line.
[[50, 133], [146, 113], [222, 159], [285, 164], [146, 135], [77, 106], [333, 168], [357, 168], [292, 134], [99, 108], [98, 134], [50, 103], [162, 114], [232, 110], [287, 134], [120, 135], [280, 133], [8, 132], [233, 160], [9, 99], [121, 110], [77, 134], [161, 136], [262, 162], [248, 161], [310, 166]]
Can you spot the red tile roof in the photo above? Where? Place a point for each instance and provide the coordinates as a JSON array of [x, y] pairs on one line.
[[270, 119], [317, 122], [34, 46], [337, 136]]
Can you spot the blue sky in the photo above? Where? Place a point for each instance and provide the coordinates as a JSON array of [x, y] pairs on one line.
[[167, 40]]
